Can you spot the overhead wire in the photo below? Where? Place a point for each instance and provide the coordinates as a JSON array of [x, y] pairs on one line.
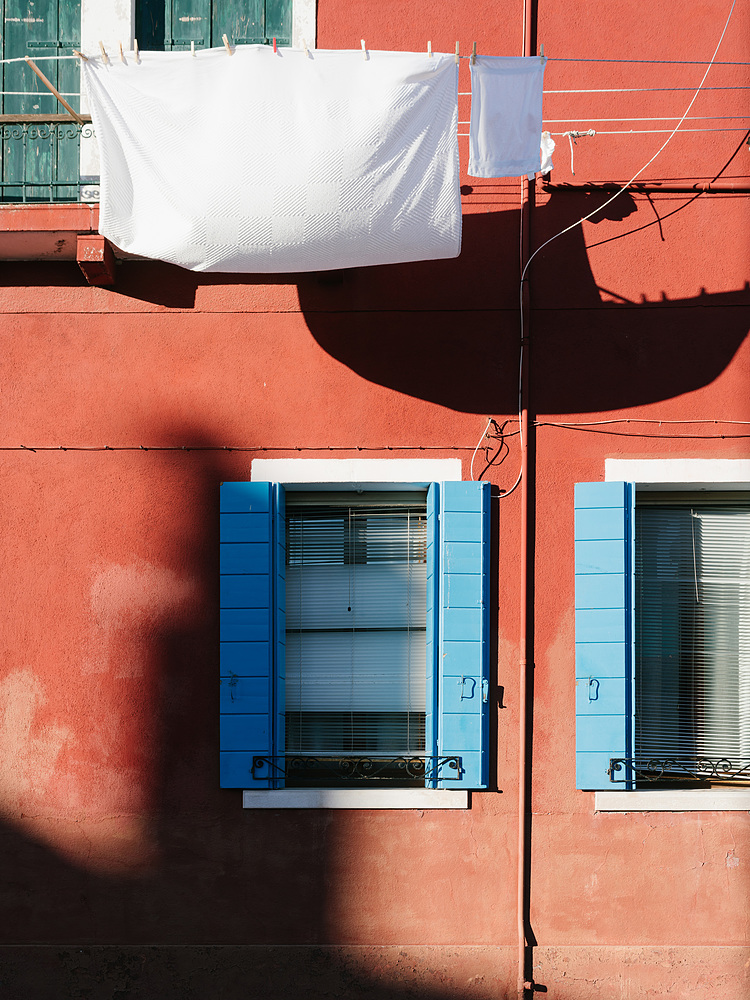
[[646, 165], [607, 202]]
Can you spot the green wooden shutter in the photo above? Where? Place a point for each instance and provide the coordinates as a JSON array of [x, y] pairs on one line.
[[279, 21], [604, 609], [40, 160], [174, 24], [188, 21], [242, 21]]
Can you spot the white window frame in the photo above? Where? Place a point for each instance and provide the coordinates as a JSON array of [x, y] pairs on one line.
[[693, 475], [358, 474]]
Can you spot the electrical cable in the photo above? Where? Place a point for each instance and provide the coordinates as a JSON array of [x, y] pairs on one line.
[[580, 222], [644, 167], [479, 442], [638, 420], [232, 447]]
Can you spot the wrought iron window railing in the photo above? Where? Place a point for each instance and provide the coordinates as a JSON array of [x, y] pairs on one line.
[[624, 770], [41, 160], [352, 768]]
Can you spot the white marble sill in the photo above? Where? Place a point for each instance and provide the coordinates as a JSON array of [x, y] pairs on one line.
[[679, 800], [354, 798]]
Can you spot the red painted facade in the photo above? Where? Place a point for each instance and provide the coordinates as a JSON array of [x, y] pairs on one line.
[[125, 866]]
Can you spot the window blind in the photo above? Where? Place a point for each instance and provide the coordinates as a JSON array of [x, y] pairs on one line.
[[355, 633], [693, 629]]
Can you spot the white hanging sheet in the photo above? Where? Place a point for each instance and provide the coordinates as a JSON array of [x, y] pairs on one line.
[[274, 162], [506, 115]]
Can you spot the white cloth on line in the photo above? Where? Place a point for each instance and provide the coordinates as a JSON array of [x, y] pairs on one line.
[[278, 162], [506, 115], [547, 149]]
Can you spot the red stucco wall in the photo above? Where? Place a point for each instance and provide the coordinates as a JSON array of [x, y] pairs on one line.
[[117, 843]]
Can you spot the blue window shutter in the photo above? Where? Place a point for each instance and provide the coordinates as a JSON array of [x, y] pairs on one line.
[[604, 609], [251, 592], [463, 631], [279, 644], [431, 623]]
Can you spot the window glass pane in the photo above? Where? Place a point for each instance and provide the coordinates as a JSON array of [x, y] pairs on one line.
[[356, 613], [693, 630]]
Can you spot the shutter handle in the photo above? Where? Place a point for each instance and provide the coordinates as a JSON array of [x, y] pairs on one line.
[[485, 690], [463, 681], [593, 689]]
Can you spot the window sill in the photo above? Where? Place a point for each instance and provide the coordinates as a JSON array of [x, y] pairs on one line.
[[679, 800], [355, 798]]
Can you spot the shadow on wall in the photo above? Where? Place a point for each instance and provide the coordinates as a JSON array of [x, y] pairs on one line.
[[222, 902], [447, 331], [589, 355]]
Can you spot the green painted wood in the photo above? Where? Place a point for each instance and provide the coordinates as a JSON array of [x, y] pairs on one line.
[[173, 24], [279, 21], [188, 21], [242, 21], [40, 162]]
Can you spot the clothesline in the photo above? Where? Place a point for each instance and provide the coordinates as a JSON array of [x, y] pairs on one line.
[[641, 118], [467, 93], [657, 62], [625, 90], [644, 131]]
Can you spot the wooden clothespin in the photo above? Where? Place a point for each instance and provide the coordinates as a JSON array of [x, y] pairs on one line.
[[227, 46], [364, 50], [274, 45], [429, 50], [473, 54], [457, 55], [136, 53], [192, 49], [105, 57], [304, 48], [80, 55], [541, 53], [122, 54]]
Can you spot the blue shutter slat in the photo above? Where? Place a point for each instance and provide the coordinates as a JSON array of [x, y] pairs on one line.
[[600, 625], [461, 557], [464, 590], [604, 629], [602, 659], [236, 557], [245, 591], [245, 659], [243, 695], [243, 527], [597, 523], [600, 556], [597, 590], [246, 626], [463, 660], [600, 696], [244, 498]]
